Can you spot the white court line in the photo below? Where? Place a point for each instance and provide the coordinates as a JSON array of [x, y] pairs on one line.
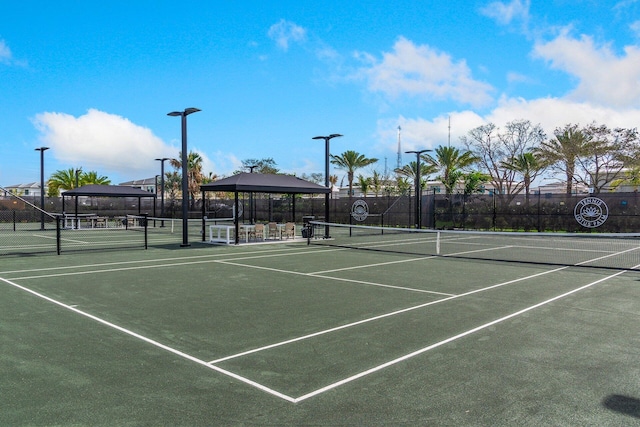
[[44, 237], [114, 270], [407, 260], [340, 279], [448, 340], [382, 316], [171, 264], [152, 342]]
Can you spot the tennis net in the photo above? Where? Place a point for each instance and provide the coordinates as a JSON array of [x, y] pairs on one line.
[[599, 250]]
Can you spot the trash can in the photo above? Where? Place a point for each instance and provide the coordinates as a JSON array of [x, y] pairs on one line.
[[307, 229]]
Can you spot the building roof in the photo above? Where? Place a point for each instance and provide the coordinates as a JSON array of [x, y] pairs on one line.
[[137, 182], [265, 183]]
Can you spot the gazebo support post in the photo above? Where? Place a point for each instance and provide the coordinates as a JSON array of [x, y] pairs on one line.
[[235, 220]]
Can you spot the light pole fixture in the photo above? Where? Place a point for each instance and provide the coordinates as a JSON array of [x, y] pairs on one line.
[[326, 177], [42, 150], [417, 185], [162, 160], [185, 172]]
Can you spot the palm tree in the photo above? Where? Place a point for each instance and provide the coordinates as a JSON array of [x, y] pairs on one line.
[[376, 183], [63, 180], [564, 150], [473, 181], [350, 161], [364, 183], [529, 165], [447, 160], [409, 170], [93, 178], [194, 173]]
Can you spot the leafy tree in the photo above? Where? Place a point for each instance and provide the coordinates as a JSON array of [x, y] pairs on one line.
[[266, 165], [448, 160], [350, 161], [493, 148], [631, 177], [562, 151], [607, 152], [315, 177]]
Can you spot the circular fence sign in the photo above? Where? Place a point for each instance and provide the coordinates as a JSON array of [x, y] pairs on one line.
[[360, 210], [591, 212]]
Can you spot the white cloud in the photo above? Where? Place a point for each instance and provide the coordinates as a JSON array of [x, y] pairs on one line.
[[419, 133], [5, 53], [105, 142], [419, 70], [603, 77], [285, 32], [550, 113], [507, 13]]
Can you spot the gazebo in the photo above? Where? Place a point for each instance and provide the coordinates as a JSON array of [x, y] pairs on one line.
[[261, 183], [95, 190]]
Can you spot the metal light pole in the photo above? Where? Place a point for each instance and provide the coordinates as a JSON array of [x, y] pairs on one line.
[[417, 185], [42, 150], [326, 177], [185, 172], [162, 160]]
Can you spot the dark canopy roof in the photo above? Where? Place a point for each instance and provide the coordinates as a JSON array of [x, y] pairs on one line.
[[108, 191], [265, 183]]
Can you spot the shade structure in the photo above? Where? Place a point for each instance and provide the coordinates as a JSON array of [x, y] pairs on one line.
[[96, 190], [262, 183], [108, 191], [265, 183]]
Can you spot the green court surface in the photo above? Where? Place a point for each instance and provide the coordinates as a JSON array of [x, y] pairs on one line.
[[290, 334]]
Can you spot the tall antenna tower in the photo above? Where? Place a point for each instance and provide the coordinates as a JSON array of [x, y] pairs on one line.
[[399, 162], [449, 131]]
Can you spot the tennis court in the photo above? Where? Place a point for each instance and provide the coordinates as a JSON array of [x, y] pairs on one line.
[[297, 334]]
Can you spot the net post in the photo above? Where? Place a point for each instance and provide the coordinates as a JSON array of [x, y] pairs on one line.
[[145, 219], [438, 243]]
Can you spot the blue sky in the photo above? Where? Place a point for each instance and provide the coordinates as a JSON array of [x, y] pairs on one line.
[[94, 81]]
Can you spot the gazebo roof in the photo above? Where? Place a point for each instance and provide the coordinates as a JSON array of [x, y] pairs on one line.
[[108, 191], [265, 183]]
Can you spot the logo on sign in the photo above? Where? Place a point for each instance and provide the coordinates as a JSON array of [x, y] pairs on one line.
[[360, 210], [591, 212]]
